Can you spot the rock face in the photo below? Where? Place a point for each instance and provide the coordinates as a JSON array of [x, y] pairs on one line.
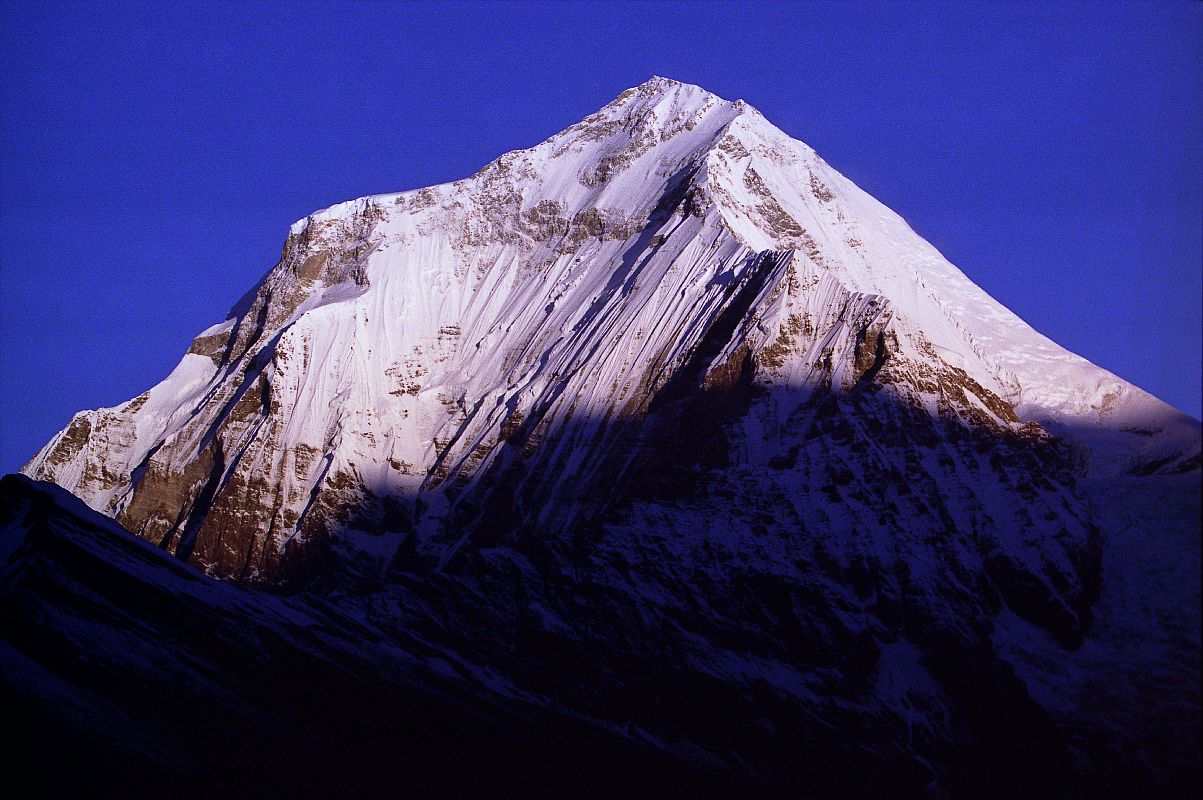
[[666, 422]]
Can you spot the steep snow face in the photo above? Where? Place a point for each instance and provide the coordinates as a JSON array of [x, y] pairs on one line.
[[670, 361], [404, 339]]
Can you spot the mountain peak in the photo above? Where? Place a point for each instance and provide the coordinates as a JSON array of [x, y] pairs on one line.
[[658, 84], [670, 239], [661, 124], [659, 81], [666, 95], [668, 377], [659, 87]]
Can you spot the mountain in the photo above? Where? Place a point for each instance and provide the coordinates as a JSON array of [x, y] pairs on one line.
[[666, 425]]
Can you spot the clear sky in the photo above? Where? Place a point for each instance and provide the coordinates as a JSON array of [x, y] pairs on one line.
[[153, 156]]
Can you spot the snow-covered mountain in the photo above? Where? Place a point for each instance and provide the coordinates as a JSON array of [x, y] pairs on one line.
[[665, 408]]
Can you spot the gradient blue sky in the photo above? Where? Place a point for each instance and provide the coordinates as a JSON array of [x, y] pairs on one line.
[[154, 155]]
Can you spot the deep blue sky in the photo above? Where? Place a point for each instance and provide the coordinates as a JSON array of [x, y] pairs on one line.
[[153, 156]]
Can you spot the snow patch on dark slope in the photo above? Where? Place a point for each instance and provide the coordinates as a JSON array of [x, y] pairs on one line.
[[665, 424]]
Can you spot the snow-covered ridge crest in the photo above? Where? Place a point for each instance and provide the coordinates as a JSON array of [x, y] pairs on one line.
[[639, 118], [529, 320], [774, 192]]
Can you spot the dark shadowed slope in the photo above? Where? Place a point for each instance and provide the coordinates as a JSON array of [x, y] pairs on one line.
[[127, 673], [155, 676]]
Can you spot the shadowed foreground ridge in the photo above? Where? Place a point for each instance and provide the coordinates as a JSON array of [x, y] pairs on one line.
[[666, 428], [151, 678]]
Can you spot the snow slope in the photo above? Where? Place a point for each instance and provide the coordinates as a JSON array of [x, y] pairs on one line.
[[567, 279]]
